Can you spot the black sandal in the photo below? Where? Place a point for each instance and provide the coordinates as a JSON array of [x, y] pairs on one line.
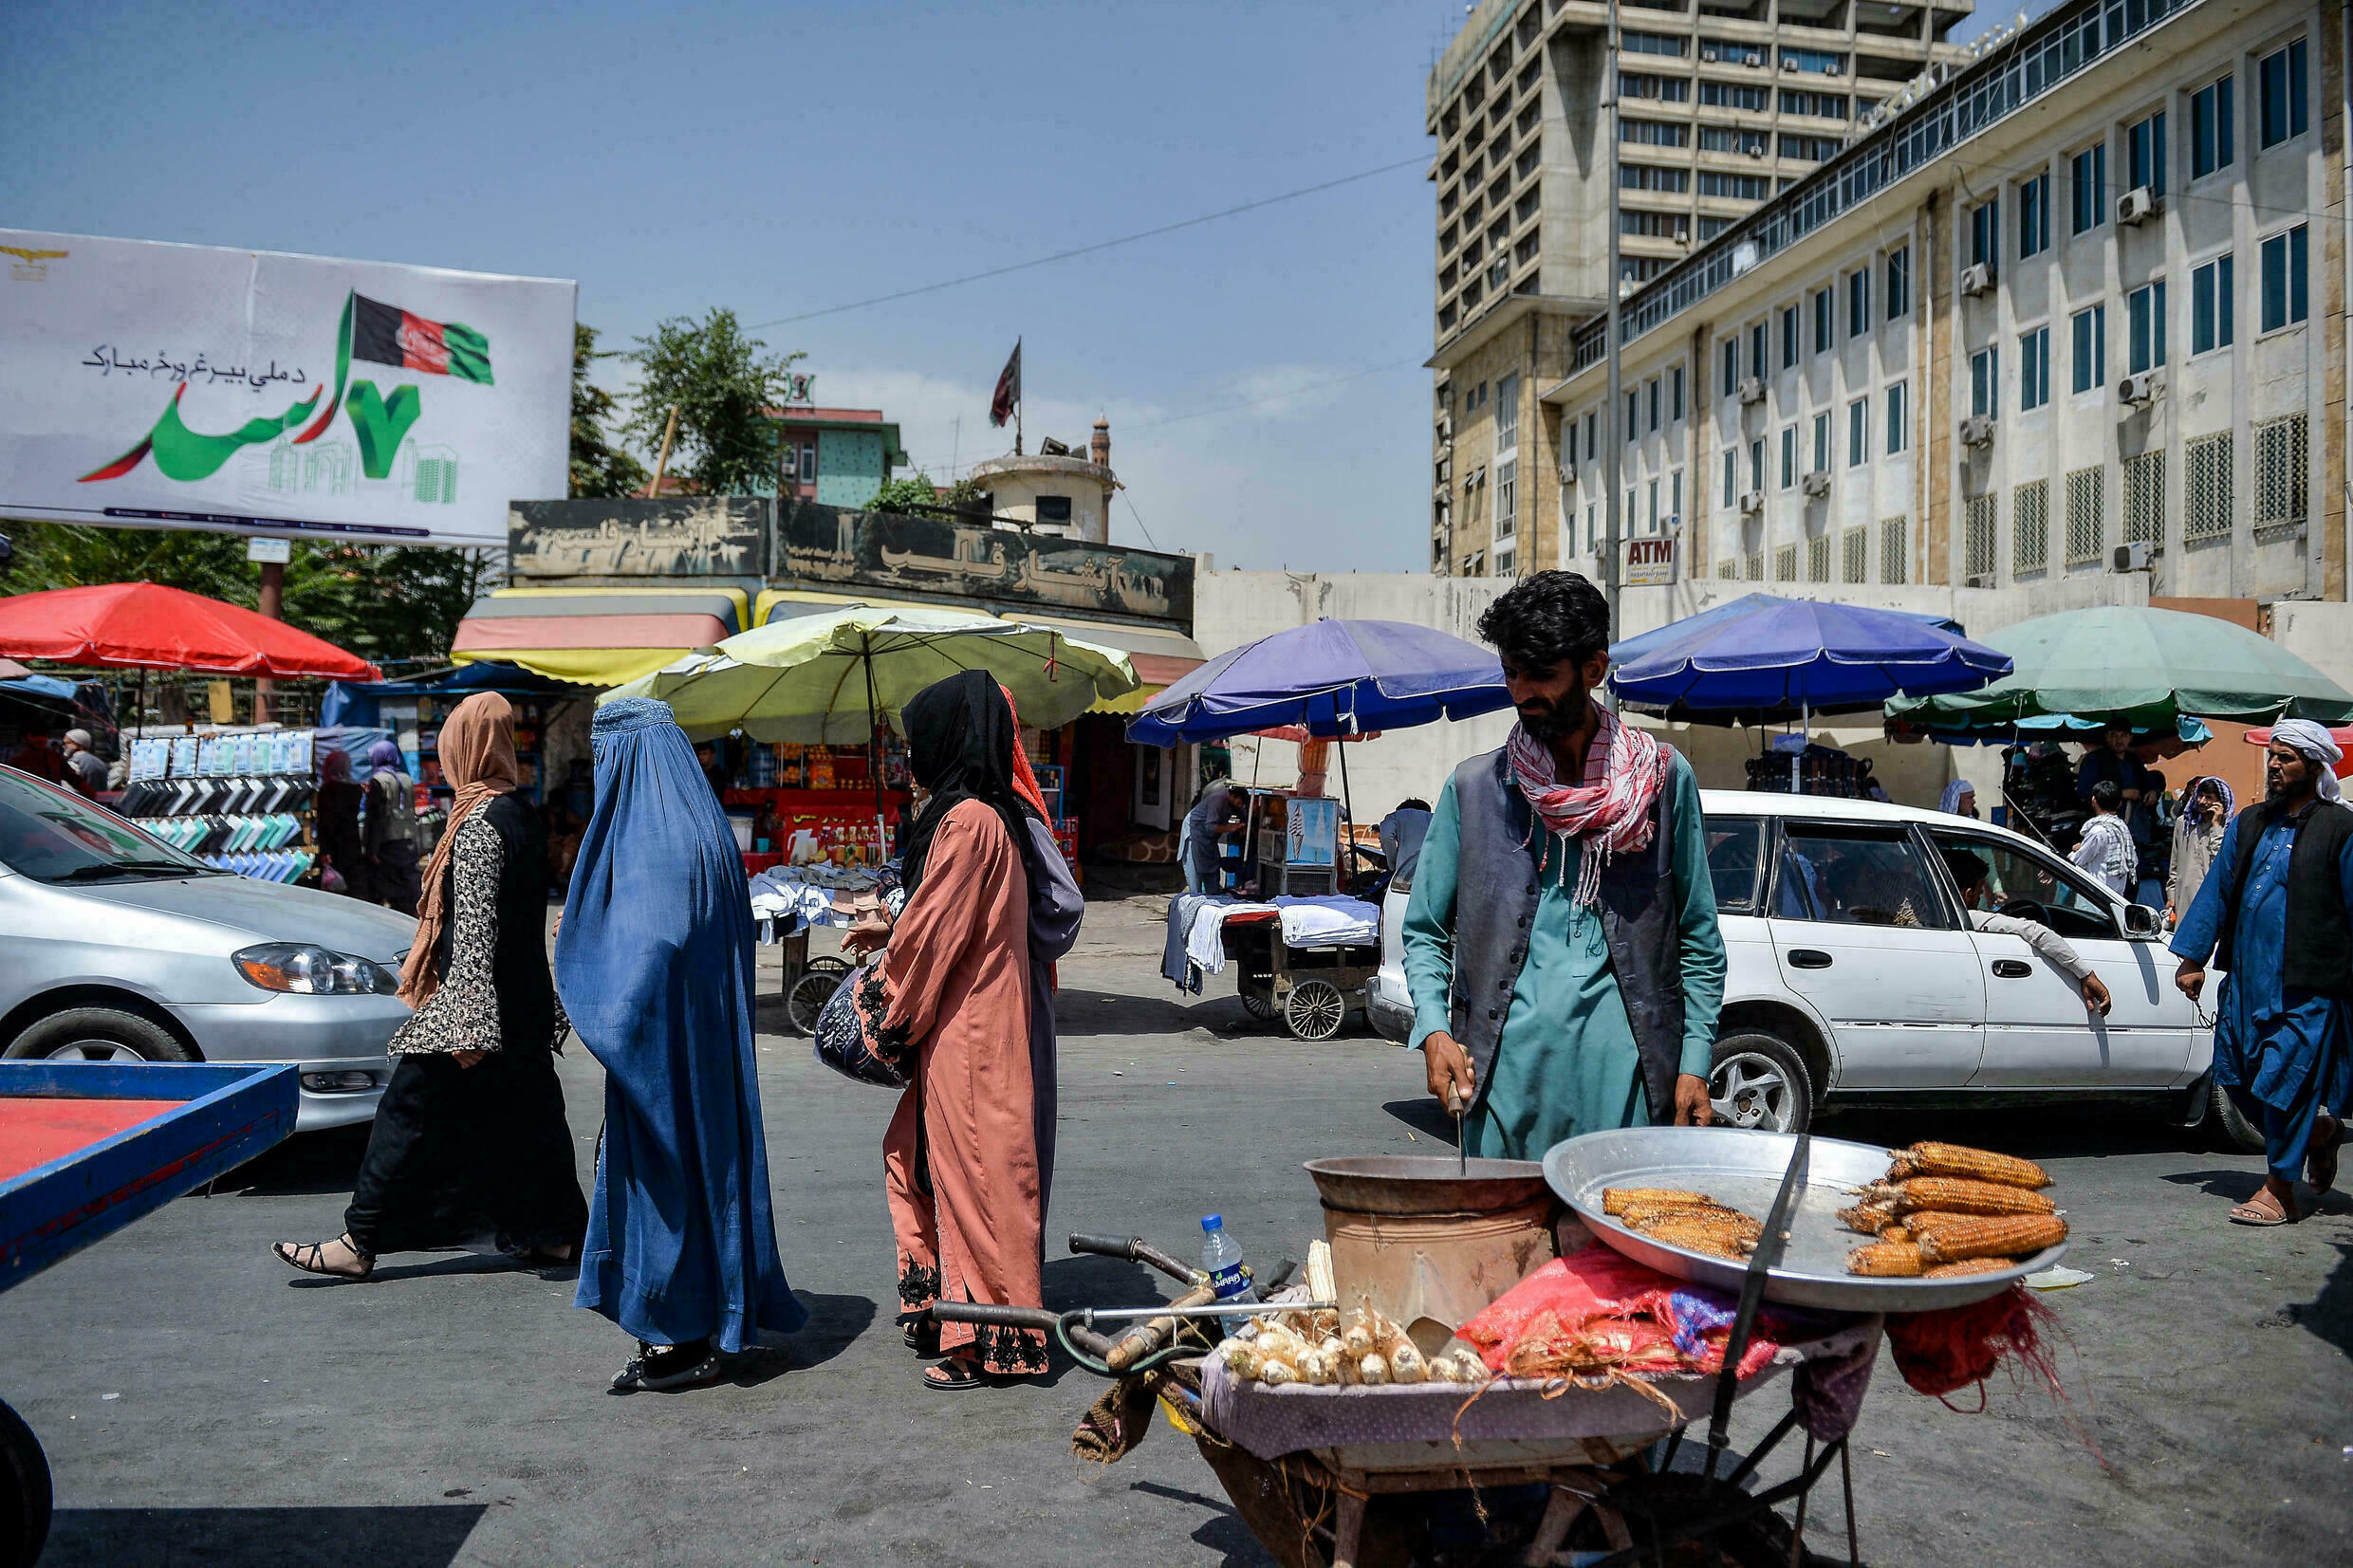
[[963, 1372], [309, 1258], [922, 1337]]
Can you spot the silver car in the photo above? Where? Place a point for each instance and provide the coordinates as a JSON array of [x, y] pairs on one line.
[[116, 946]]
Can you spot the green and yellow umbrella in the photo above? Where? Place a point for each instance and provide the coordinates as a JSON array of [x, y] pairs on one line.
[[829, 678]]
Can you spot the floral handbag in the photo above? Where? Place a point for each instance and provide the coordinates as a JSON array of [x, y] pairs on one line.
[[846, 1041]]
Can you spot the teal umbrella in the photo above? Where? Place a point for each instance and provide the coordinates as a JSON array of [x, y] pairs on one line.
[[2146, 666]]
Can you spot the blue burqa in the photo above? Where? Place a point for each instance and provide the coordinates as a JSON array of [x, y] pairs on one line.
[[655, 967]]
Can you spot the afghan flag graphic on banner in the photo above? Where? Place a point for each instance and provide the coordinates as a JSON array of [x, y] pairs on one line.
[[370, 331], [387, 335]]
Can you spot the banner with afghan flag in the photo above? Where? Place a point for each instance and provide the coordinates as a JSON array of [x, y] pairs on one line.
[[294, 391]]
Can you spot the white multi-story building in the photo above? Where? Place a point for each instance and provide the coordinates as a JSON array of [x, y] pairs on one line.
[[1721, 103], [2076, 314]]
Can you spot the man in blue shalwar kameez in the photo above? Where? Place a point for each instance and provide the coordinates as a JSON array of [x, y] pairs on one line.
[[2278, 908]]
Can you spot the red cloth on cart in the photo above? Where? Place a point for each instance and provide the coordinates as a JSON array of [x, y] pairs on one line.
[[35, 1129], [1598, 1291]]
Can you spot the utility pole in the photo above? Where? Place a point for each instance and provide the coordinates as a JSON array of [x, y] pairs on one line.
[[272, 555], [1614, 453]]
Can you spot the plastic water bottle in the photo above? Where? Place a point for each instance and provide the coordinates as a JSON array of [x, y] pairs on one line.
[[1221, 1260]]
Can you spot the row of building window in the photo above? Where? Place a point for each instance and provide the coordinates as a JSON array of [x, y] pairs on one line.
[[1895, 556], [1823, 303]]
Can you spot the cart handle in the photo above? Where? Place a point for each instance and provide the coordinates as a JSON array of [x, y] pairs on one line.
[[1134, 1250]]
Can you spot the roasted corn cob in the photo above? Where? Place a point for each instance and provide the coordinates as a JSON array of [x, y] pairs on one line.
[[1953, 1159], [1868, 1218], [1885, 1259], [1967, 1265], [1701, 1236], [1958, 1195], [1994, 1236], [1617, 1200]]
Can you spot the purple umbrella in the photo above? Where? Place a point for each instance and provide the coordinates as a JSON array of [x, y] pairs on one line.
[[1335, 677]]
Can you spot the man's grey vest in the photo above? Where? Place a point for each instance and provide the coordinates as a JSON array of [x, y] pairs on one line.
[[1495, 892]]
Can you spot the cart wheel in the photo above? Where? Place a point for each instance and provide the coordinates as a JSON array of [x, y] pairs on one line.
[[1259, 1008], [23, 1492], [809, 995], [1314, 1010], [827, 963]]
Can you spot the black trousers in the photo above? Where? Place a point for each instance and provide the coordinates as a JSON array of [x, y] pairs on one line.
[[461, 1153], [392, 878]]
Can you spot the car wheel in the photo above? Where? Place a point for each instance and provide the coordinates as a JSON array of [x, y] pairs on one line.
[[2238, 1135], [25, 1497], [1760, 1081], [98, 1034]]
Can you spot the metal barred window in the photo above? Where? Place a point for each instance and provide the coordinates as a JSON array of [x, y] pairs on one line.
[[1818, 558], [2030, 527], [1785, 564], [1895, 550], [2086, 525], [1977, 540], [2144, 498], [2206, 473], [1857, 544], [1756, 566], [1728, 568], [2283, 473]]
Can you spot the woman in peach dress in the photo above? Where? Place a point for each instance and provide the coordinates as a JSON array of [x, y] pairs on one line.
[[951, 996]]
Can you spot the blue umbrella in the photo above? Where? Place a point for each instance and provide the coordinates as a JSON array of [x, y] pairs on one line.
[[1806, 656], [1335, 677], [1646, 643]]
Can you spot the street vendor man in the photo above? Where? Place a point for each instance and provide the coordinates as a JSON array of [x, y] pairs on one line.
[[1560, 946], [2277, 908]]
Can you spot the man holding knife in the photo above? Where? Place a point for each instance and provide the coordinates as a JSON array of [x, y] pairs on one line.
[[1562, 947]]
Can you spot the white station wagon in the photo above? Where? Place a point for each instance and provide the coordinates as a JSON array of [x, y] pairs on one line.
[[1854, 976]]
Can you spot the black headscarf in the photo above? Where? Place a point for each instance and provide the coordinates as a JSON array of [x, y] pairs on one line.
[[960, 744]]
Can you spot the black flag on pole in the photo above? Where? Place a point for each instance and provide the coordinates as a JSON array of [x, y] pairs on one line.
[[1008, 388]]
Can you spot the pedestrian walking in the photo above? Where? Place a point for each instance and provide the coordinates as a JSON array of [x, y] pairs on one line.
[[1574, 983], [968, 1157], [2206, 808], [654, 963], [471, 1139], [2278, 908], [85, 768], [2105, 849], [388, 838], [336, 818], [1216, 815]]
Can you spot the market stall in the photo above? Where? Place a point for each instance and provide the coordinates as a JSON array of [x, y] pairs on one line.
[[1516, 1354], [239, 797], [1332, 680]]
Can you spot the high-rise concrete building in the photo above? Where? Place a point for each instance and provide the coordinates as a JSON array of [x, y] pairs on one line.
[[1722, 105]]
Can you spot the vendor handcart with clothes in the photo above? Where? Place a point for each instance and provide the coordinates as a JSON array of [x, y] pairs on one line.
[[1310, 944]]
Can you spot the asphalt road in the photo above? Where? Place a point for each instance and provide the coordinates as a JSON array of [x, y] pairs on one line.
[[201, 1404]]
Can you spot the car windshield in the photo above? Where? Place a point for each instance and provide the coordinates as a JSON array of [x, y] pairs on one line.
[[55, 837]]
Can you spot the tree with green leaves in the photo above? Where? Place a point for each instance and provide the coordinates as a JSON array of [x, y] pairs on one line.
[[599, 466], [722, 386], [900, 496]]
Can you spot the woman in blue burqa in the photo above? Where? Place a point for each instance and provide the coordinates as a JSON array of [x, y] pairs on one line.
[[654, 962]]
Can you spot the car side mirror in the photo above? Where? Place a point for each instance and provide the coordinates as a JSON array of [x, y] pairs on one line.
[[2141, 922]]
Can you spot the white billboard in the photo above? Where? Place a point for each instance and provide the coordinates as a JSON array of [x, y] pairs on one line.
[[247, 391]]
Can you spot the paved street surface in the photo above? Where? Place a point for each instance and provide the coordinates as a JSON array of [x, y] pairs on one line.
[[200, 1404]]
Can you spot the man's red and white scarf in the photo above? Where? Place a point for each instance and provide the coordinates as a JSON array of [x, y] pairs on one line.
[[1609, 809]]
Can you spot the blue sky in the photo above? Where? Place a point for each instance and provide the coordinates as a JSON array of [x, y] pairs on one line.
[[1261, 372]]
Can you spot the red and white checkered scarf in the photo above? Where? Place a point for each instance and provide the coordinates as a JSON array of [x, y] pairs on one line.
[[1609, 809]]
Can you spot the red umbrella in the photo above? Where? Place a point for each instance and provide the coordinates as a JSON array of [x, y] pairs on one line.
[[146, 626], [2341, 734]]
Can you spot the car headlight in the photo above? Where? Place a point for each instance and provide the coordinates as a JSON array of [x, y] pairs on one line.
[[313, 972]]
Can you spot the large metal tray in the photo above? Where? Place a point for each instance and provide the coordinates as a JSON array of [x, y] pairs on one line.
[[1743, 1167]]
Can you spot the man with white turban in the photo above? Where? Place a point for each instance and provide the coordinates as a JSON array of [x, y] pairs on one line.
[[2278, 907]]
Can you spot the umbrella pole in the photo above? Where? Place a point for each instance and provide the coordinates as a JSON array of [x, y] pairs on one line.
[[873, 747], [1797, 759], [1340, 743]]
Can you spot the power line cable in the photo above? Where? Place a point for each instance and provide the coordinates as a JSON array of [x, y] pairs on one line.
[[1415, 162]]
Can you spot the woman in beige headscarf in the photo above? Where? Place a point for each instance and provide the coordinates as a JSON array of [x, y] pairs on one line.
[[471, 1139]]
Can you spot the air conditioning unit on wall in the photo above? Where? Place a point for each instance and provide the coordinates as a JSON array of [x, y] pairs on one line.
[[1976, 431], [1976, 278], [1817, 483], [2144, 387], [1752, 389], [2135, 204], [1752, 501], [2128, 558]]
